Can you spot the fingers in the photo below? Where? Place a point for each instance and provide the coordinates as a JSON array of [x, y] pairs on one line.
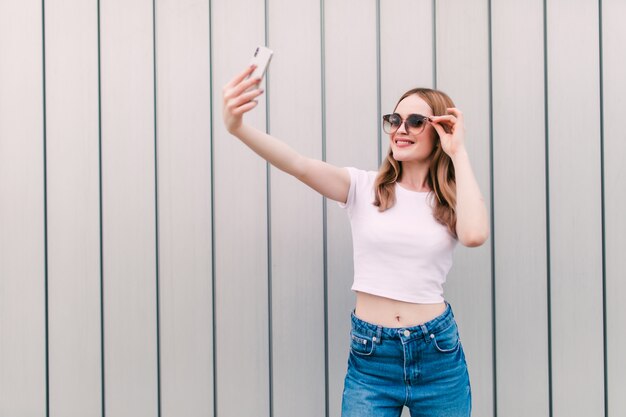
[[239, 98], [456, 112], [454, 115], [240, 77], [239, 104], [439, 119], [446, 118], [239, 84], [246, 107], [236, 90], [243, 98], [449, 122], [439, 129]]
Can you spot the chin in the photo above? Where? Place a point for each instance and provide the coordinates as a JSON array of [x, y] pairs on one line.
[[398, 155], [404, 157], [411, 158]]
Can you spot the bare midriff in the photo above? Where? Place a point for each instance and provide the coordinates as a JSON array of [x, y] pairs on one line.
[[393, 313]]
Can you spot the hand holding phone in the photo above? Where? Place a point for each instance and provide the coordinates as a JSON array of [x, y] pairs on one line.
[[261, 59], [241, 92]]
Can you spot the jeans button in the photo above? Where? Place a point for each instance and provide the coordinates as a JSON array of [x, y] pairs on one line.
[[407, 333]]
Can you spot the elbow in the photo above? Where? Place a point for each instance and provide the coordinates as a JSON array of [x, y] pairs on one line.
[[474, 239], [299, 168]]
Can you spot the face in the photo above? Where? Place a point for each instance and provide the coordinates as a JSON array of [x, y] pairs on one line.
[[405, 146]]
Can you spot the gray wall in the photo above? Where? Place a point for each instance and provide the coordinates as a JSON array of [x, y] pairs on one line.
[[151, 265]]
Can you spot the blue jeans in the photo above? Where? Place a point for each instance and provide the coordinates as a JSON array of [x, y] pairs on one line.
[[421, 367]]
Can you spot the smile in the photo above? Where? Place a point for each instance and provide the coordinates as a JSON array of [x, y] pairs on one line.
[[404, 142]]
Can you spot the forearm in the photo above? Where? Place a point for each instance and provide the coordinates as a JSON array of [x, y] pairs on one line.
[[328, 180], [274, 151], [472, 223]]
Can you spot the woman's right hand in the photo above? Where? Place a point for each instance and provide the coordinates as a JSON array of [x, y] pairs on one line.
[[238, 100]]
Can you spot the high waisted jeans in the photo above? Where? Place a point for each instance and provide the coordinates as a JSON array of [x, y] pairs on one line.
[[421, 367]]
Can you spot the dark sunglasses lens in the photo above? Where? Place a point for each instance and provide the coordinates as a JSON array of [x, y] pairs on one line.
[[415, 122]]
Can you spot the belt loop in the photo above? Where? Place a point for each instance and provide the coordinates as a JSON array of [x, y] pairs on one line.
[[379, 333], [425, 333]]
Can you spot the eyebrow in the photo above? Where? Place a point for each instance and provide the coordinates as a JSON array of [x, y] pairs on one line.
[[417, 114]]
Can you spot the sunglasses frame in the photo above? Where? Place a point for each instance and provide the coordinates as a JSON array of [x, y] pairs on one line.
[[407, 127]]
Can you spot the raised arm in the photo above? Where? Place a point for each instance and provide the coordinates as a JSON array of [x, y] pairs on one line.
[[472, 221], [330, 181]]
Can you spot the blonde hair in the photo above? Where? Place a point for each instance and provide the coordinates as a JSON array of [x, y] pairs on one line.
[[441, 178]]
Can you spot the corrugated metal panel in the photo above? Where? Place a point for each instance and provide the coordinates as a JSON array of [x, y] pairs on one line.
[[72, 120], [241, 231], [575, 208], [295, 110], [128, 209], [184, 195], [614, 94], [520, 210], [23, 366]]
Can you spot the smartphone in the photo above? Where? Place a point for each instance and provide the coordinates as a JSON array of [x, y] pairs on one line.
[[262, 57]]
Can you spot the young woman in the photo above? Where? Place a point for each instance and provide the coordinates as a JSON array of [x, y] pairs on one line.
[[406, 220]]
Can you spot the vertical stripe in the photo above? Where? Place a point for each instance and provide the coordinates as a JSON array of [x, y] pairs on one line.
[[45, 205], [213, 258], [378, 86], [603, 211], [156, 208], [492, 220], [324, 208], [102, 373], [434, 17], [268, 196], [547, 165]]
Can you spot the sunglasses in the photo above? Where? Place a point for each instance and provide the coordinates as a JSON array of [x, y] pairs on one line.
[[414, 123]]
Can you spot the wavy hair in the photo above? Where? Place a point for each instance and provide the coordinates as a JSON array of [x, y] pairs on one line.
[[441, 178]]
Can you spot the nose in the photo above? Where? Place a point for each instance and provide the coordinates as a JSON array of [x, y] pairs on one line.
[[402, 127]]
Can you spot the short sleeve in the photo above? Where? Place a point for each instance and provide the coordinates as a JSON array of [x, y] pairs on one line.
[[354, 179]]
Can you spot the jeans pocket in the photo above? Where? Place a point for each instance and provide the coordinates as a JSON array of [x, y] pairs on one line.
[[448, 340], [361, 345]]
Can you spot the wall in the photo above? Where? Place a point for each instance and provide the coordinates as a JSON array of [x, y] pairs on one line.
[[150, 264]]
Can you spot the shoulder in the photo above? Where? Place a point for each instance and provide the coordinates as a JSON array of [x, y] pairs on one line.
[[361, 177], [361, 189]]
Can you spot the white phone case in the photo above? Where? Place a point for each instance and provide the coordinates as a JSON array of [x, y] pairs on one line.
[[261, 59]]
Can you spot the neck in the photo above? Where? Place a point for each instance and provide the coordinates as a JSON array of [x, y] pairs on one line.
[[415, 176]]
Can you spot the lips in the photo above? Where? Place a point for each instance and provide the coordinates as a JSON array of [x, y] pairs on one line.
[[404, 142]]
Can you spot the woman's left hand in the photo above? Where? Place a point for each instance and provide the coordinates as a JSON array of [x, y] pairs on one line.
[[451, 131]]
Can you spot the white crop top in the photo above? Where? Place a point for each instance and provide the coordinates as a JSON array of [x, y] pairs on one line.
[[402, 253]]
